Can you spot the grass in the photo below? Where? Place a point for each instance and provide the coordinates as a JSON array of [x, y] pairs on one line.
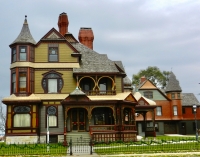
[[150, 145], [32, 149]]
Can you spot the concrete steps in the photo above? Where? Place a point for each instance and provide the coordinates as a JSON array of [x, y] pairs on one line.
[[79, 137]]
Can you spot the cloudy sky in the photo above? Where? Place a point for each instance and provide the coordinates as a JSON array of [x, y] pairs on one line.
[[140, 33]]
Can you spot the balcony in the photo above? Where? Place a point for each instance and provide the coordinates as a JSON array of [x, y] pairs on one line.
[[106, 92]]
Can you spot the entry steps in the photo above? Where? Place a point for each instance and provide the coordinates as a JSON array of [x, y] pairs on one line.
[[78, 137]]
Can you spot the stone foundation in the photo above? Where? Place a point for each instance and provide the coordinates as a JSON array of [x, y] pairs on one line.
[[21, 139]]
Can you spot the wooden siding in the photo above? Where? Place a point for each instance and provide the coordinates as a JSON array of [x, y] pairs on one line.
[[41, 53], [38, 79], [156, 94], [65, 54], [118, 82], [58, 129]]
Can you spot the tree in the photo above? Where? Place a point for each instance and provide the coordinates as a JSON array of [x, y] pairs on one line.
[[152, 73], [2, 117]]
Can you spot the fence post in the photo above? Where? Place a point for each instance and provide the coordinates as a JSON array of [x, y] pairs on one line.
[[70, 146], [90, 146]]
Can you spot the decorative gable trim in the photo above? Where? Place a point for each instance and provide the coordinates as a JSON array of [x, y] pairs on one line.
[[148, 85], [131, 98], [143, 102], [53, 35]]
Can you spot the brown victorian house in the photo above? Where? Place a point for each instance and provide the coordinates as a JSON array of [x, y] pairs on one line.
[[62, 85], [174, 112]]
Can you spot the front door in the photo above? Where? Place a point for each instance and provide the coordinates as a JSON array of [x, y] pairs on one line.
[[78, 119]]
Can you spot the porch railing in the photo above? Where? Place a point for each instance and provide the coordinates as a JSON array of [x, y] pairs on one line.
[[113, 132], [94, 92]]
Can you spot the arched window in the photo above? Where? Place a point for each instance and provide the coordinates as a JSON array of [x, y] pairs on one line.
[[52, 83], [52, 115]]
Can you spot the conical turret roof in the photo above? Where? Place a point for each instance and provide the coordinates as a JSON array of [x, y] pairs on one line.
[[173, 84], [25, 35]]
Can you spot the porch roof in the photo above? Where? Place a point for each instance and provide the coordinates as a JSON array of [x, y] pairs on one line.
[[138, 95], [14, 98]]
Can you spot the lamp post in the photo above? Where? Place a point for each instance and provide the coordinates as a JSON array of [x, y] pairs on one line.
[[195, 111]]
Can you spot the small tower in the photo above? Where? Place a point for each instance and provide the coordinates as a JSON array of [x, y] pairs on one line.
[[22, 52], [173, 91]]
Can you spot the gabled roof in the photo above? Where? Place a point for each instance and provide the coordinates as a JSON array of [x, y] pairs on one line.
[[189, 99], [25, 35], [147, 84], [93, 62], [173, 84], [53, 34], [138, 97], [77, 92]]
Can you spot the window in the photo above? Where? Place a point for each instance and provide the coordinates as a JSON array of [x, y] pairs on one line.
[[22, 53], [52, 116], [22, 82], [178, 95], [159, 111], [14, 56], [52, 83], [22, 117], [13, 86], [53, 54], [148, 94], [183, 110], [156, 127], [173, 95], [175, 110]]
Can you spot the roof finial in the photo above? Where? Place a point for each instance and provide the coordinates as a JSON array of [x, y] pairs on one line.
[[25, 21]]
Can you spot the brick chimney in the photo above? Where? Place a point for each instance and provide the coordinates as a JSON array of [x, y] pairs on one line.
[[142, 79], [63, 23], [86, 37]]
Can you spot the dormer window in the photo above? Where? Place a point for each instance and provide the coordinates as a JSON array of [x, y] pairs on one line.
[[22, 53], [53, 54]]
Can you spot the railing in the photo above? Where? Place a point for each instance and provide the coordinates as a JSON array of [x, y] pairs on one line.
[[150, 132], [94, 92], [113, 132]]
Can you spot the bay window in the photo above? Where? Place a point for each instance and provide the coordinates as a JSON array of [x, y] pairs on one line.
[[22, 53], [22, 118], [22, 82], [14, 54]]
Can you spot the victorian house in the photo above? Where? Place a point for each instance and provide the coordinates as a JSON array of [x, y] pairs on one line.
[[60, 85]]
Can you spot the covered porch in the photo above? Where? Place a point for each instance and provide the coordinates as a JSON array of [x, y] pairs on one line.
[[105, 118]]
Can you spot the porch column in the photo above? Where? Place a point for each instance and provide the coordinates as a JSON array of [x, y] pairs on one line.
[[145, 123], [153, 119], [65, 128]]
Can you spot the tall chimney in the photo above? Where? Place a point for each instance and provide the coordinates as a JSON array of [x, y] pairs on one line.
[[86, 37], [142, 79], [63, 23]]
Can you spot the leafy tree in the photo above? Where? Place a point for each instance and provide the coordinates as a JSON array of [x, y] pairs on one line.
[[153, 73], [2, 117]]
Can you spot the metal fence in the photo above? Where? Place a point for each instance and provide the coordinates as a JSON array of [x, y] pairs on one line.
[[89, 147]]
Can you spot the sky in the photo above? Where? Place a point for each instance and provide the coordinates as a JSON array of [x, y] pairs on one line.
[[140, 33]]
